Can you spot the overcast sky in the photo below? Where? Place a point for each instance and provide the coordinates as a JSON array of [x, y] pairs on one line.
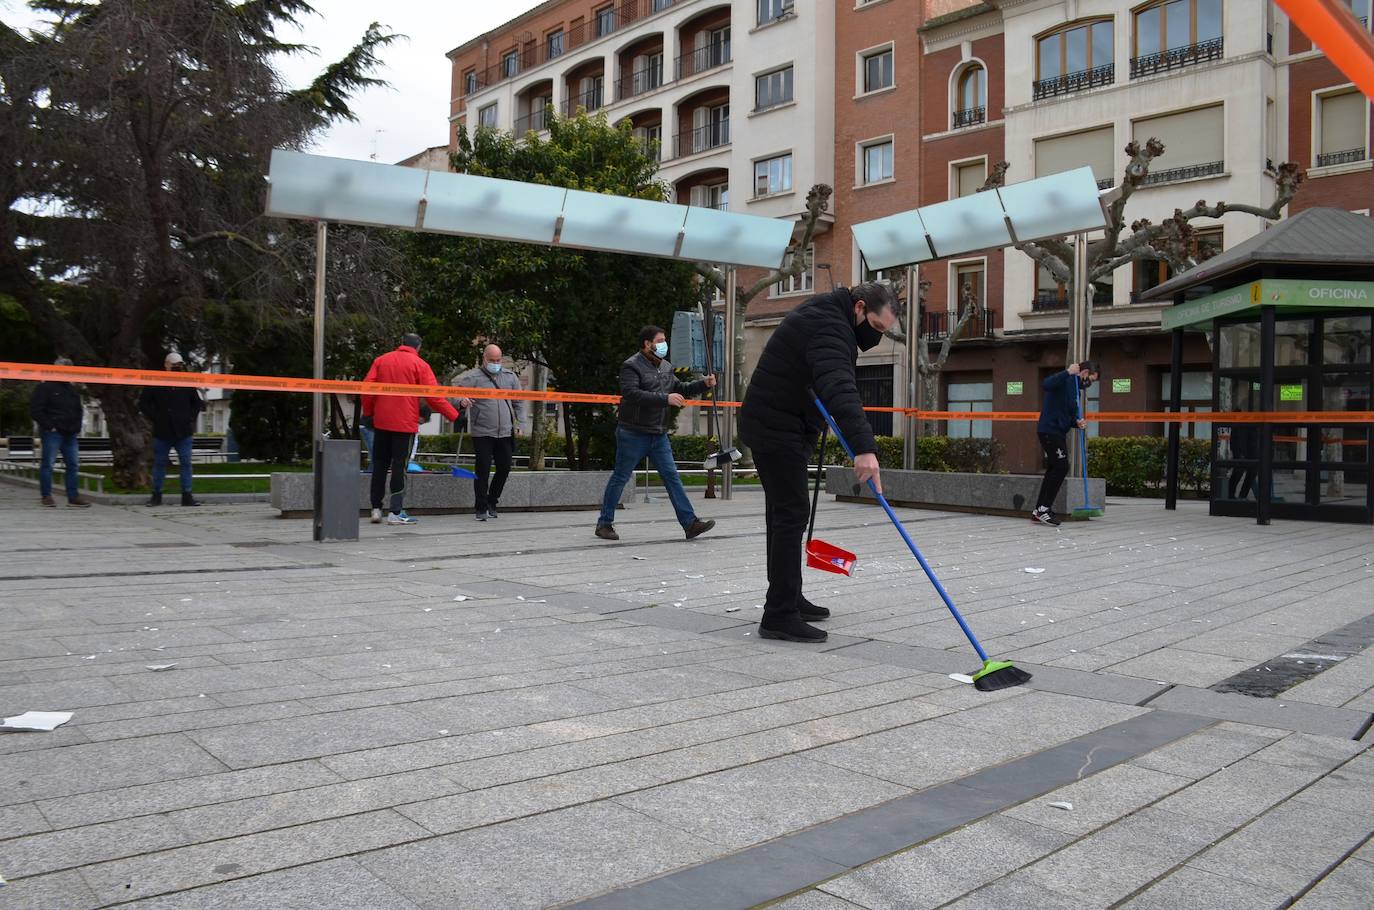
[[413, 113]]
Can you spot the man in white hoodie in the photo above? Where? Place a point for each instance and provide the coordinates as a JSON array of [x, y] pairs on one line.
[[494, 423]]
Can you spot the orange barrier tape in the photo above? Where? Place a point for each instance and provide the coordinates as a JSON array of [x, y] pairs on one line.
[[36, 372]]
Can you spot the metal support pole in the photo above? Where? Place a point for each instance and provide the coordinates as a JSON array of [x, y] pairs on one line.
[[727, 415], [1265, 492], [1175, 405], [317, 398], [911, 444], [1079, 331]]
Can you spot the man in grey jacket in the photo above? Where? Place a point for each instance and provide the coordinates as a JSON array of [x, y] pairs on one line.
[[647, 389], [494, 424]]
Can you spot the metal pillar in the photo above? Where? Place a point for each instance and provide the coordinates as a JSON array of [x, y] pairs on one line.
[[1080, 331], [317, 398], [1175, 405], [911, 442], [1265, 492], [727, 415]]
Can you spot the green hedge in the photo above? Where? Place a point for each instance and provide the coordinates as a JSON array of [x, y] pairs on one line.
[[1134, 465]]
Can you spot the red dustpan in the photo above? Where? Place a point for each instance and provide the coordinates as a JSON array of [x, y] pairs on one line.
[[819, 554]]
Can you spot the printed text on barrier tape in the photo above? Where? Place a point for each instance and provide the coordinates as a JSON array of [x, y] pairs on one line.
[[35, 372]]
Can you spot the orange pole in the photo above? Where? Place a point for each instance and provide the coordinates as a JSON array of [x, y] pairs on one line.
[[1333, 28]]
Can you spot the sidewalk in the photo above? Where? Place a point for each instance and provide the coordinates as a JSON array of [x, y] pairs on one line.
[[516, 714]]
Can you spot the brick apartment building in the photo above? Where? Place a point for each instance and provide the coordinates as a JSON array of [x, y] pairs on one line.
[[899, 103]]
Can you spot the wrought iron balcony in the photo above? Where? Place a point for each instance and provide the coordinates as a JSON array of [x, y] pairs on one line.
[[592, 101], [1176, 57], [1074, 82], [983, 324], [1349, 156], [969, 117], [1106, 183], [701, 139], [1171, 175], [639, 82], [1053, 299], [703, 59], [534, 120]]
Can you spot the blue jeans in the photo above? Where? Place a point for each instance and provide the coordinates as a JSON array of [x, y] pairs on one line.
[[162, 452], [53, 441], [630, 449]]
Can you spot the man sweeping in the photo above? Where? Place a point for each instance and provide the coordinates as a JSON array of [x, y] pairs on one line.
[[814, 348], [1058, 413]]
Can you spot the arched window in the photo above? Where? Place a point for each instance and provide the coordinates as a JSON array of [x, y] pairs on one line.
[[970, 96], [1074, 57]]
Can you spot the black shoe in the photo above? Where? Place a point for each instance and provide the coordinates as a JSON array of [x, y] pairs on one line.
[[186, 499], [699, 527], [607, 532], [479, 514], [154, 500], [491, 511], [792, 629], [1044, 516], [812, 613]]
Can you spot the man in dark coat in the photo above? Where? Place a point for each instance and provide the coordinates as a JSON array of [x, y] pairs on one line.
[[56, 409], [1059, 412], [173, 411], [814, 348], [647, 389]]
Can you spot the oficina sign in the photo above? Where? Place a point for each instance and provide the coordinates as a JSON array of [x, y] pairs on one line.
[[1288, 293]]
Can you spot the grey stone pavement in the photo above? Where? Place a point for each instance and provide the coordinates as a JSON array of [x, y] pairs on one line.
[[515, 714]]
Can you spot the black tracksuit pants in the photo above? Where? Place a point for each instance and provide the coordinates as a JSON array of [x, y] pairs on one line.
[[786, 509], [390, 450], [498, 449], [1056, 448]]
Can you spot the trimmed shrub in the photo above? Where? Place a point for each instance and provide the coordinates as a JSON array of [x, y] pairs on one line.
[[1135, 465]]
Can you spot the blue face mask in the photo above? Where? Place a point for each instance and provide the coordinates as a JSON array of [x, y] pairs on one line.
[[492, 368], [661, 349]]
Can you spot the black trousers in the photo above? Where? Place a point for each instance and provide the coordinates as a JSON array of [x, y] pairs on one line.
[[390, 450], [786, 508], [1056, 448], [491, 448]]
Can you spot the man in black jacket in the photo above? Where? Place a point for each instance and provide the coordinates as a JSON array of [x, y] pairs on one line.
[[173, 411], [56, 408], [1059, 412], [647, 389], [814, 348]]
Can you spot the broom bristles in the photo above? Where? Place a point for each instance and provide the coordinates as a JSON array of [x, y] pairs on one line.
[[1005, 678]]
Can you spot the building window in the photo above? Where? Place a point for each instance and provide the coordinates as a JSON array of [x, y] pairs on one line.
[[605, 20], [969, 394], [589, 94], [1175, 33], [877, 71], [1095, 148], [772, 89], [646, 74], [487, 116], [1195, 141], [773, 175], [970, 97], [1149, 273], [968, 177], [555, 44], [650, 139], [710, 128], [877, 159], [1074, 58], [711, 196], [1361, 10], [798, 284], [771, 10], [469, 82], [1341, 128], [510, 64], [874, 382], [1196, 396]]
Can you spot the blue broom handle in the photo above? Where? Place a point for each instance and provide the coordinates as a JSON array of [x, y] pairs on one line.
[[930, 573], [1082, 437]]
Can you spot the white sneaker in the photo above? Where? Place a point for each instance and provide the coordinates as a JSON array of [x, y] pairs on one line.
[[401, 518], [376, 516]]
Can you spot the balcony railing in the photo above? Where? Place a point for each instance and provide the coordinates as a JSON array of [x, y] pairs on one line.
[[592, 101], [534, 120], [1176, 57], [983, 324], [652, 148], [701, 139], [1106, 183], [603, 22], [969, 117], [1349, 156], [1185, 173], [1074, 82], [639, 82], [1048, 301], [703, 59]]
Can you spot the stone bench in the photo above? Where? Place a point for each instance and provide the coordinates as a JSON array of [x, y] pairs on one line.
[[444, 494], [985, 494]]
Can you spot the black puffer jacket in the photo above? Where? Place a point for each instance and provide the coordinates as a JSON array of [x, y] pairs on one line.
[[172, 410], [814, 346], [644, 391], [56, 406]]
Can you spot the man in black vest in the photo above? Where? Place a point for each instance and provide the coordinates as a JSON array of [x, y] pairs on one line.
[[814, 348]]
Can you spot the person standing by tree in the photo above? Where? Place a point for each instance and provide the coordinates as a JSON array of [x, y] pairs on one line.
[[173, 411], [494, 423], [647, 389], [395, 421], [1059, 412], [56, 408], [814, 348]]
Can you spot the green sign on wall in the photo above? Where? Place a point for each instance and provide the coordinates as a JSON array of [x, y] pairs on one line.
[[1290, 392], [1014, 388], [1121, 386]]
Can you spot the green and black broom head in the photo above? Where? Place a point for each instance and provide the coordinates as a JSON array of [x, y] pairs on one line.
[[999, 674]]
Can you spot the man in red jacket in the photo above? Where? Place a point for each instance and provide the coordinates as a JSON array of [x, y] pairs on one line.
[[395, 421]]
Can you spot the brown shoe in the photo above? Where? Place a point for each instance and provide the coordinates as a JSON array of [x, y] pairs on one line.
[[607, 532], [79, 502], [50, 502], [699, 527]]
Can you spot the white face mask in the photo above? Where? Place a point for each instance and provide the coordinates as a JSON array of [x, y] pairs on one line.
[[492, 368], [661, 349]]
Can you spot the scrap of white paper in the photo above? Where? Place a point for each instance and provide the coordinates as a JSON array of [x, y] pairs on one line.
[[460, 598], [36, 721], [1066, 806], [1030, 570], [156, 668], [960, 677]]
